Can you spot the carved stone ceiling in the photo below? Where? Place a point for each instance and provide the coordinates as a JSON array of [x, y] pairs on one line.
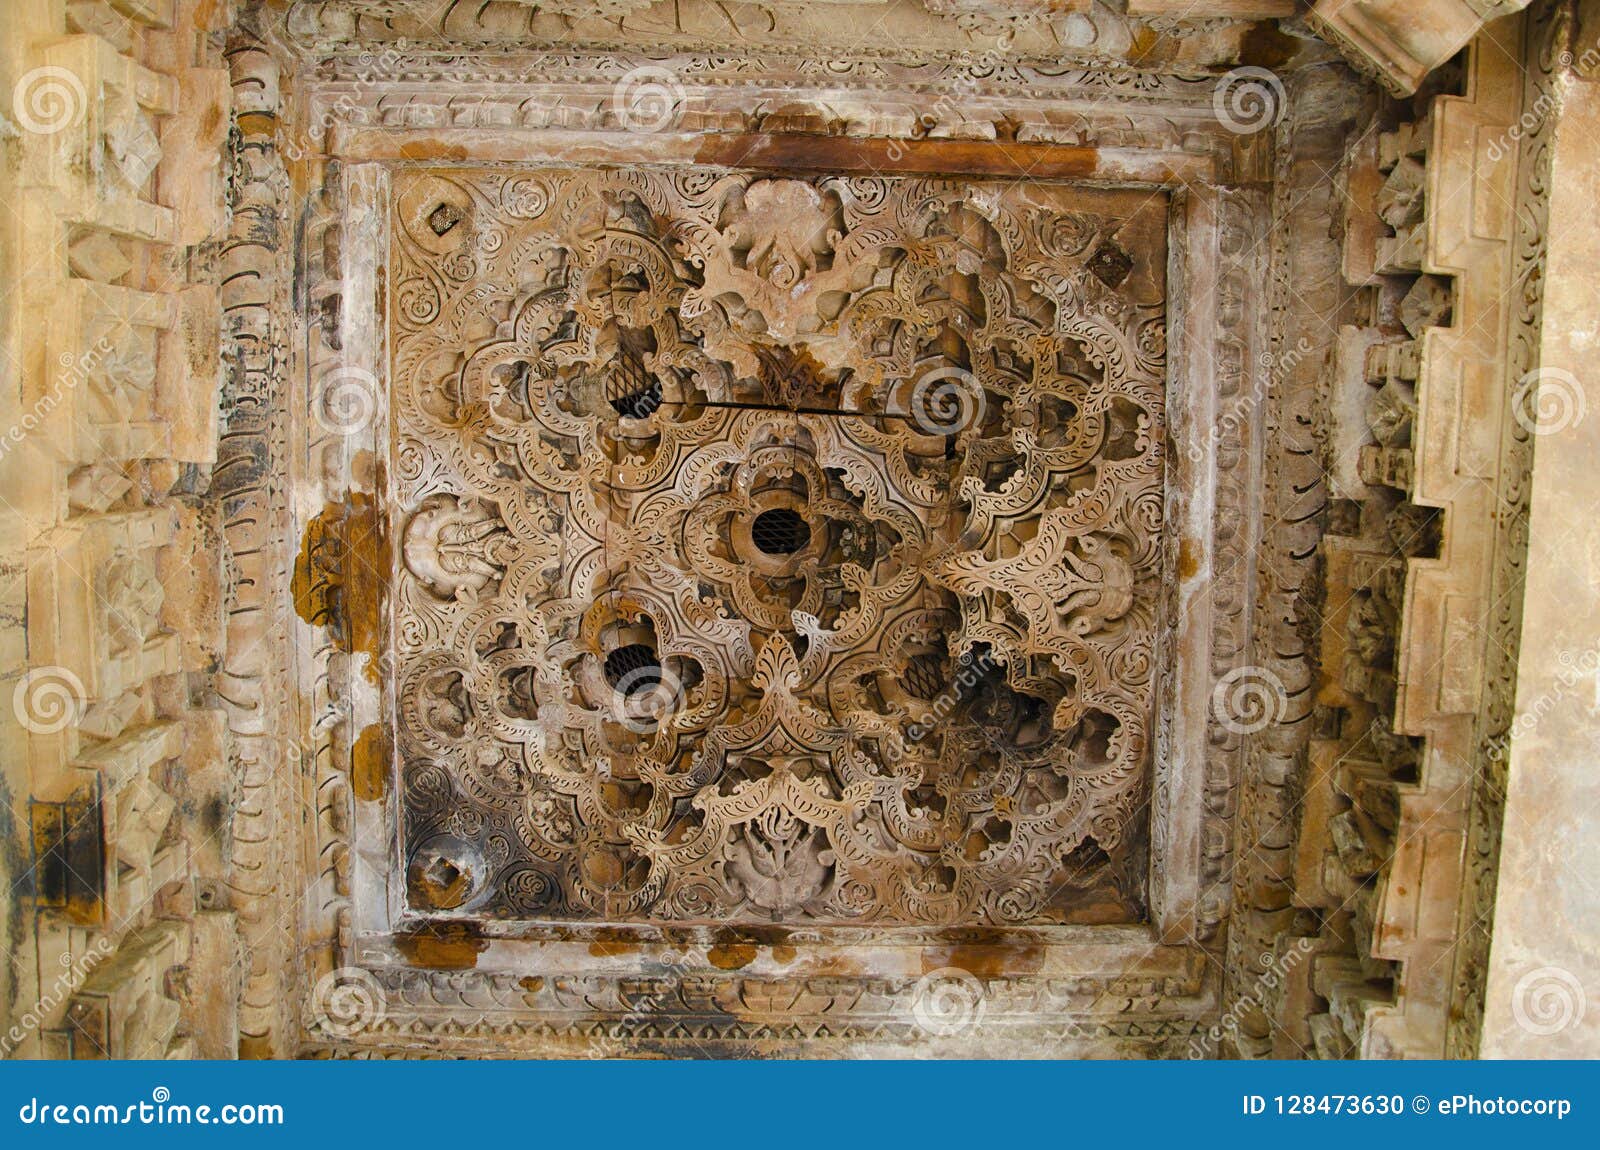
[[709, 549], [805, 565], [774, 549]]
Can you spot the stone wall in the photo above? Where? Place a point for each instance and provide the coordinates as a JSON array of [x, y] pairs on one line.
[[1538, 981], [116, 780]]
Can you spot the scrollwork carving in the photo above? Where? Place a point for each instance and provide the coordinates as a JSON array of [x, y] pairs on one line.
[[776, 549]]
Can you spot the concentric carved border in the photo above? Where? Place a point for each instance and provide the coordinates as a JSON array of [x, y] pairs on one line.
[[1148, 990]]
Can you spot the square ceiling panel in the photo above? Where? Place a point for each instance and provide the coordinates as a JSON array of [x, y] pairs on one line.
[[774, 550]]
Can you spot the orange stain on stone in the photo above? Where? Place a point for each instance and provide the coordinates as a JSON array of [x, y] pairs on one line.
[[340, 576], [1188, 562], [986, 961], [369, 763], [449, 946], [611, 948], [731, 956]]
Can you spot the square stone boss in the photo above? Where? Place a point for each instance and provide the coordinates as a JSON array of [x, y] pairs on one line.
[[774, 550]]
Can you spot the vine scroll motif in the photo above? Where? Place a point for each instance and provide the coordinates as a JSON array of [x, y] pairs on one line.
[[774, 549]]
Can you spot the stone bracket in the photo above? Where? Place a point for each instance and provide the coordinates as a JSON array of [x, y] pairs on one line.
[[1398, 42]]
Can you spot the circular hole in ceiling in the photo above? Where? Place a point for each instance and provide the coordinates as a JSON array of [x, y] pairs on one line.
[[780, 531], [633, 669], [630, 389], [924, 676], [638, 404]]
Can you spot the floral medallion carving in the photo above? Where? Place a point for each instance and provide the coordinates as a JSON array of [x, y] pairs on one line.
[[772, 549]]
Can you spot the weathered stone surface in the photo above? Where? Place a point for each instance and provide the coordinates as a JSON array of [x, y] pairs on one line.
[[618, 527], [1542, 977]]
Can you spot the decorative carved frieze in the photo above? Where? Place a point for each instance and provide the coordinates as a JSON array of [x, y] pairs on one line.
[[1423, 559], [250, 490], [1550, 46], [1267, 949], [835, 33], [1462, 467]]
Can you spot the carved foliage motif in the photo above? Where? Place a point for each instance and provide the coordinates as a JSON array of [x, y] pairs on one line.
[[774, 549]]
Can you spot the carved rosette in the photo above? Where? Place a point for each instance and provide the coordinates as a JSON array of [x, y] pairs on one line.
[[771, 549]]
